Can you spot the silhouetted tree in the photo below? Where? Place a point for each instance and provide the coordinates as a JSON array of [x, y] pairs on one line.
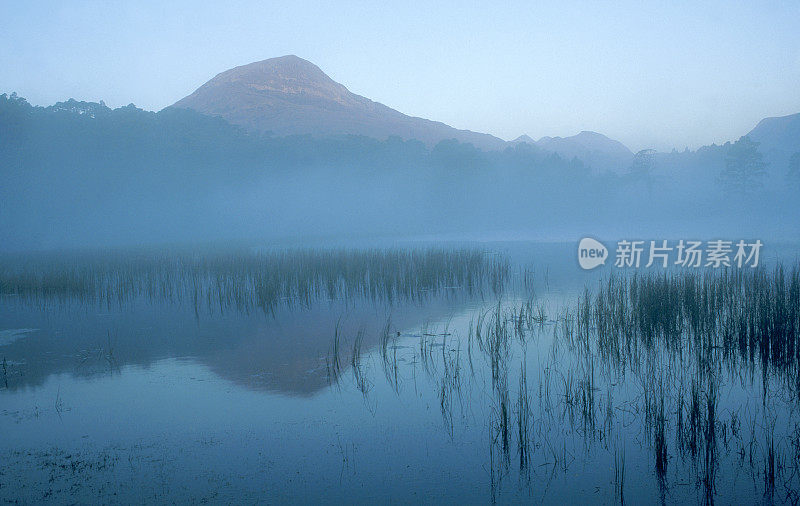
[[744, 168]]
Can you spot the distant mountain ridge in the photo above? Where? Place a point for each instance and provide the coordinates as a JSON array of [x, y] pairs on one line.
[[289, 95], [778, 138], [594, 149], [78, 171]]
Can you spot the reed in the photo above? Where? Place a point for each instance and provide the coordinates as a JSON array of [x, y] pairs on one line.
[[246, 280]]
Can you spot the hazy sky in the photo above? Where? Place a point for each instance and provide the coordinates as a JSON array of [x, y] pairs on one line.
[[660, 74]]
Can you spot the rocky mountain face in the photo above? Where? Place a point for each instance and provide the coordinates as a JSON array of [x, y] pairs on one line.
[[289, 95]]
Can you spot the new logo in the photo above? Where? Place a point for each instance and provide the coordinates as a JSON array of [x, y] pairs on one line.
[[591, 253]]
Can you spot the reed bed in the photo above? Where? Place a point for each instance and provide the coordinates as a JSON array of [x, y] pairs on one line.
[[666, 361], [730, 315], [247, 280]]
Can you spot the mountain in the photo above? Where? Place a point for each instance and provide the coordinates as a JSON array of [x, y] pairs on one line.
[[779, 138], [594, 149], [289, 95], [523, 138]]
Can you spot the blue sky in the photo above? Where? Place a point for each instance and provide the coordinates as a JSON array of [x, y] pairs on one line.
[[650, 74]]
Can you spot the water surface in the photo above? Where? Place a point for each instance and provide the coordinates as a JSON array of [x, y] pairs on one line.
[[447, 394]]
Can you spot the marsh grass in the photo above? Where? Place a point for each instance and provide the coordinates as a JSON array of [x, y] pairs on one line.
[[750, 316], [619, 474], [524, 420], [362, 381], [333, 361], [662, 359], [388, 349], [686, 335], [246, 280]]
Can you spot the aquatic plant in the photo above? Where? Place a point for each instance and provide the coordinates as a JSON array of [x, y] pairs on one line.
[[245, 280]]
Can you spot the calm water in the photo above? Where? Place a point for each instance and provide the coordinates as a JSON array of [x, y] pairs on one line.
[[147, 400]]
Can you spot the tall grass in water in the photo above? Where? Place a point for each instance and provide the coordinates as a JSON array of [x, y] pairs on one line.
[[334, 360], [524, 415], [736, 315], [686, 335], [674, 351], [359, 374], [246, 280], [666, 361]]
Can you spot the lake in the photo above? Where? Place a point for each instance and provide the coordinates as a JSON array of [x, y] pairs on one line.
[[414, 372]]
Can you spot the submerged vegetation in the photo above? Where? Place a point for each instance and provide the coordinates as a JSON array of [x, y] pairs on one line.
[[246, 280]]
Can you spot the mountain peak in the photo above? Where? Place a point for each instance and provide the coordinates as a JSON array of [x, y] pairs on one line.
[[595, 149], [289, 75], [589, 134], [523, 138], [290, 67], [289, 95]]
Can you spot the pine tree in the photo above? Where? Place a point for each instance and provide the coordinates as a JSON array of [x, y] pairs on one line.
[[744, 168]]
